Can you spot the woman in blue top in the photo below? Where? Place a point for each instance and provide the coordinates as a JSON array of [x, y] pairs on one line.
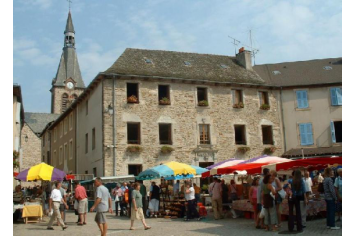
[[296, 195]]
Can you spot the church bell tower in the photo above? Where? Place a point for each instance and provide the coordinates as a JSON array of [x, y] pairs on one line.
[[68, 83]]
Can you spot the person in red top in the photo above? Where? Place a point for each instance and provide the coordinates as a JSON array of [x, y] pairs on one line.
[[82, 198]]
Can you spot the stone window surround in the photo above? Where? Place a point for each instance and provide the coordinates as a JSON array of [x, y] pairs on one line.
[[267, 122], [298, 135], [246, 139], [196, 95], [169, 89], [233, 95], [171, 134], [60, 156], [258, 96], [138, 90]]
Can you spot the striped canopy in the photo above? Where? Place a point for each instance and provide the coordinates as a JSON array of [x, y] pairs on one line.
[[41, 172], [214, 168], [171, 170], [252, 163]]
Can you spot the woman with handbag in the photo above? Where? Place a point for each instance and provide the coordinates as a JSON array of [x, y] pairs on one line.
[[268, 203], [278, 187], [296, 195]]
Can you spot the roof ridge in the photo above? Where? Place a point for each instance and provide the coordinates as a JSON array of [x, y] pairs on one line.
[[321, 59], [196, 53]]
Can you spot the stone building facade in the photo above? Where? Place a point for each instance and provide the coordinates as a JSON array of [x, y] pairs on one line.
[[31, 150]]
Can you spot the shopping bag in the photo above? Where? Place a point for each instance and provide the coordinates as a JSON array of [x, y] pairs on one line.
[[262, 213], [282, 193]]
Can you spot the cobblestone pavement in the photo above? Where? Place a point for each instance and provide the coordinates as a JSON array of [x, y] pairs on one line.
[[166, 227]]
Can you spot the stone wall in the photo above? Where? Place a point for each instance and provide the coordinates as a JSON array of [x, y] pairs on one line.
[[185, 115], [57, 93], [31, 150]]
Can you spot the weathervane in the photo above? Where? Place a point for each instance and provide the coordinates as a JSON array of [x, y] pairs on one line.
[[69, 2]]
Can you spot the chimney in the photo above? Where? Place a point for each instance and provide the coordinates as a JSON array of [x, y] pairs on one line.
[[244, 58]]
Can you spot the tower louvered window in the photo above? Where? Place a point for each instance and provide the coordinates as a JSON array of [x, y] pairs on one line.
[[64, 102]]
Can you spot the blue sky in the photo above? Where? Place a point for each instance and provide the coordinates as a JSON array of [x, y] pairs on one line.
[[282, 31]]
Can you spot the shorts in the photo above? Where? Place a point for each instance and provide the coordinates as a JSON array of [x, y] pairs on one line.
[[100, 218], [61, 207], [137, 215], [154, 205], [259, 207], [83, 206]]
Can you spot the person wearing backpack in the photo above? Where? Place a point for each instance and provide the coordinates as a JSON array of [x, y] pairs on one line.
[[338, 187], [330, 198]]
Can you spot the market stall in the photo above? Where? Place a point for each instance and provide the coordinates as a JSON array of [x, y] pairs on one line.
[[31, 206], [171, 205]]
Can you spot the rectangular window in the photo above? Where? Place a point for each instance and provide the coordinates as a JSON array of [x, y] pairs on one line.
[[237, 97], [306, 134], [204, 133], [55, 134], [240, 134], [86, 143], [93, 139], [134, 169], [336, 131], [302, 99], [70, 149], [65, 153], [49, 158], [132, 93], [163, 95], [165, 134], [336, 96], [267, 134], [61, 129], [263, 98], [60, 158], [65, 125], [202, 95], [133, 133], [94, 172], [44, 140], [86, 107]]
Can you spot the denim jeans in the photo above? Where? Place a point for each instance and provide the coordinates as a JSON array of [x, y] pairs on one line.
[[330, 213], [192, 210], [294, 202]]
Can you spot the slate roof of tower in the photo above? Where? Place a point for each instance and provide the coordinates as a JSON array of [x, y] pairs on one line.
[[170, 64], [301, 72], [69, 25], [38, 121]]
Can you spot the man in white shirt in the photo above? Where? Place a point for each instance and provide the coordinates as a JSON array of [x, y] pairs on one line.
[[56, 199], [190, 197]]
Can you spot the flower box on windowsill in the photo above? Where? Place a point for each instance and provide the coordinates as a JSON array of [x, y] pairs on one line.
[[166, 149], [132, 99], [203, 103], [239, 105], [269, 150], [164, 101], [134, 149], [243, 149], [265, 107]]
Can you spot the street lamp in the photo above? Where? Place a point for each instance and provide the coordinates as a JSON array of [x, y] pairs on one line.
[[26, 138], [110, 109]]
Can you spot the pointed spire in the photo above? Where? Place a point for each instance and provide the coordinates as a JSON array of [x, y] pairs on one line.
[[69, 26]]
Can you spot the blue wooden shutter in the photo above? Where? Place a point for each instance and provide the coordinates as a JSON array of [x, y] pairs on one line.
[[299, 99], [310, 139], [333, 97], [302, 133], [332, 128], [339, 96], [305, 99]]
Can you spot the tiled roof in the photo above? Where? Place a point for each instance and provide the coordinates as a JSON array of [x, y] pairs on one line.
[[336, 150], [38, 121], [182, 65], [311, 72]]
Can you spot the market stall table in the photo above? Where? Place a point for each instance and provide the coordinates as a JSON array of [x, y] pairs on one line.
[[313, 207], [32, 211]]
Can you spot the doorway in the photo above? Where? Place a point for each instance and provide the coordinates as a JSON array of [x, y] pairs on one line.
[[205, 181]]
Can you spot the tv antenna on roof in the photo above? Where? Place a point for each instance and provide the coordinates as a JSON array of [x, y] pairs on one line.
[[253, 50]]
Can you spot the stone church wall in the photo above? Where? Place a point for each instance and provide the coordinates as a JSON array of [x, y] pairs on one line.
[[31, 150]]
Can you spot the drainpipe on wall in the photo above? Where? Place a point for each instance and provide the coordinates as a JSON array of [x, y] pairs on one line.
[[284, 130], [114, 126], [76, 141]]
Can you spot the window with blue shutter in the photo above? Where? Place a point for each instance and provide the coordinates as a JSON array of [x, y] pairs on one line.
[[332, 129], [336, 96], [306, 134], [302, 99]]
